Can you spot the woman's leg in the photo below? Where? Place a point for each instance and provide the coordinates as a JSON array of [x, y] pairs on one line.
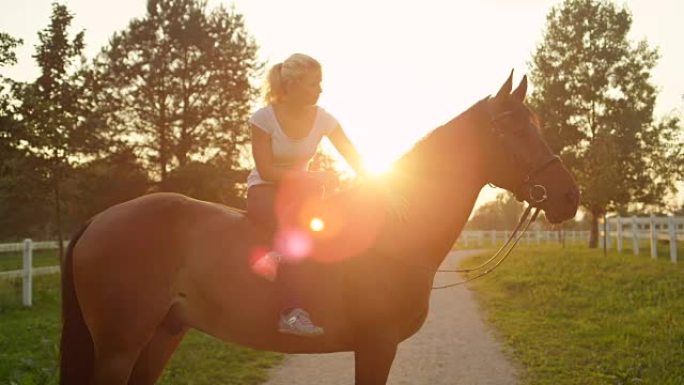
[[290, 277], [261, 208], [278, 210]]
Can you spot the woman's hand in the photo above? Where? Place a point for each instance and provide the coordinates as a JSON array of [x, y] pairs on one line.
[[396, 204], [327, 179]]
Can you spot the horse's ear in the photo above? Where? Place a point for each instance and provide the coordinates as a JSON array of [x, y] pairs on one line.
[[521, 90], [505, 90]]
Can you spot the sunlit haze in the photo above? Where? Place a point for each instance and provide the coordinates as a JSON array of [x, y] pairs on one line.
[[392, 70]]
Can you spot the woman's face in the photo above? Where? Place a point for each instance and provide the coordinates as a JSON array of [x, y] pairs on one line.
[[306, 90]]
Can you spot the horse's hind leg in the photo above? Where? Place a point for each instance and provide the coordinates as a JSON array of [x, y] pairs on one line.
[[138, 366], [113, 367], [153, 358], [120, 341]]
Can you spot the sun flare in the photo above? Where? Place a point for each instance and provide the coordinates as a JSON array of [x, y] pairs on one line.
[[378, 166], [317, 224]]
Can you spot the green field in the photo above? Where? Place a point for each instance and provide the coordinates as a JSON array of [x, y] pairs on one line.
[[573, 316], [29, 345], [14, 260]]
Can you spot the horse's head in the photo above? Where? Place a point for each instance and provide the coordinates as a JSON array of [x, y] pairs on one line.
[[521, 161]]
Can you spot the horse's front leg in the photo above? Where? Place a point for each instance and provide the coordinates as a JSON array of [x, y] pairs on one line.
[[373, 359]]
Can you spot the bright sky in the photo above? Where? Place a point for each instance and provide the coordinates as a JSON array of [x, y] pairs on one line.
[[393, 70]]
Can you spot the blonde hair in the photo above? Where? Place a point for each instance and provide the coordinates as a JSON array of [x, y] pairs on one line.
[[292, 69]]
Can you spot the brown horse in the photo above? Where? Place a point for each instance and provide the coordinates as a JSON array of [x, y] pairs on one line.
[[143, 272]]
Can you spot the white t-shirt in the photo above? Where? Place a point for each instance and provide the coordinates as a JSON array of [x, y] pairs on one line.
[[288, 152]]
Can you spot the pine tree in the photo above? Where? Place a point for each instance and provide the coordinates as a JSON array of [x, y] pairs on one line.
[[55, 128]]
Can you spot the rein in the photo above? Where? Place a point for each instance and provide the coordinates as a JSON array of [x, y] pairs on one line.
[[523, 219]]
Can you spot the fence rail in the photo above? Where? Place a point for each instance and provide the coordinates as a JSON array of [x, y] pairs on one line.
[[10, 247], [494, 237], [654, 229]]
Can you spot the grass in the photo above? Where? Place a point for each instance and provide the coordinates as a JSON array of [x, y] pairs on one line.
[[29, 345], [14, 260], [573, 316], [662, 248]]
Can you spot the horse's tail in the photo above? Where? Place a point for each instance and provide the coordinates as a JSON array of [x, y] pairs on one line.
[[76, 350]]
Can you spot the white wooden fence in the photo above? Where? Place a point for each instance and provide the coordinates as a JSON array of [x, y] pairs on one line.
[[27, 272], [478, 238], [634, 229], [621, 231]]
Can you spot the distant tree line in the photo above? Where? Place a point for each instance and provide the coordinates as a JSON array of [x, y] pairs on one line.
[[162, 107], [504, 212]]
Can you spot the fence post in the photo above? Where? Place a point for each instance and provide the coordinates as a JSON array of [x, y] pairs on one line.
[[601, 233], [493, 237], [26, 275], [654, 238], [672, 227], [635, 235], [619, 234]]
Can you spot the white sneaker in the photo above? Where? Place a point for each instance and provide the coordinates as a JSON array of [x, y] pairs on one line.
[[299, 323]]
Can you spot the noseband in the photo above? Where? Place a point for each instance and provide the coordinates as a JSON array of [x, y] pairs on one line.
[[536, 193]]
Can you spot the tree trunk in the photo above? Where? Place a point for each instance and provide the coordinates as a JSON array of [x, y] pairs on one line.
[[58, 217], [593, 237], [163, 155]]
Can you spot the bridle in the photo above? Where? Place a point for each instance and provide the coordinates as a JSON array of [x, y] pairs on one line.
[[536, 194]]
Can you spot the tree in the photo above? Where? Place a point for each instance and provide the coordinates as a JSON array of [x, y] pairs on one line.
[[22, 197], [7, 108], [594, 94], [500, 214], [177, 81], [7, 46], [94, 186], [55, 129]]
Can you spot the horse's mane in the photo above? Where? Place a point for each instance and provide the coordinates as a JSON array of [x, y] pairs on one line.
[[425, 157], [413, 170]]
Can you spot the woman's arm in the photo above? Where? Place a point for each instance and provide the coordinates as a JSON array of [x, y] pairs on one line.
[[345, 147], [263, 157]]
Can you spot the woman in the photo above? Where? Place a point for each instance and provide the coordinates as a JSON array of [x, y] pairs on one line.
[[285, 134]]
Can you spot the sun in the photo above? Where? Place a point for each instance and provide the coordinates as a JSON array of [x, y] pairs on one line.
[[378, 164], [376, 160]]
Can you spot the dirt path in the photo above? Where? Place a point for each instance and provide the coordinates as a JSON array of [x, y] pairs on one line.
[[453, 347]]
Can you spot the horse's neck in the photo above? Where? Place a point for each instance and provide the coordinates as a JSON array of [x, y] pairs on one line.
[[441, 185]]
